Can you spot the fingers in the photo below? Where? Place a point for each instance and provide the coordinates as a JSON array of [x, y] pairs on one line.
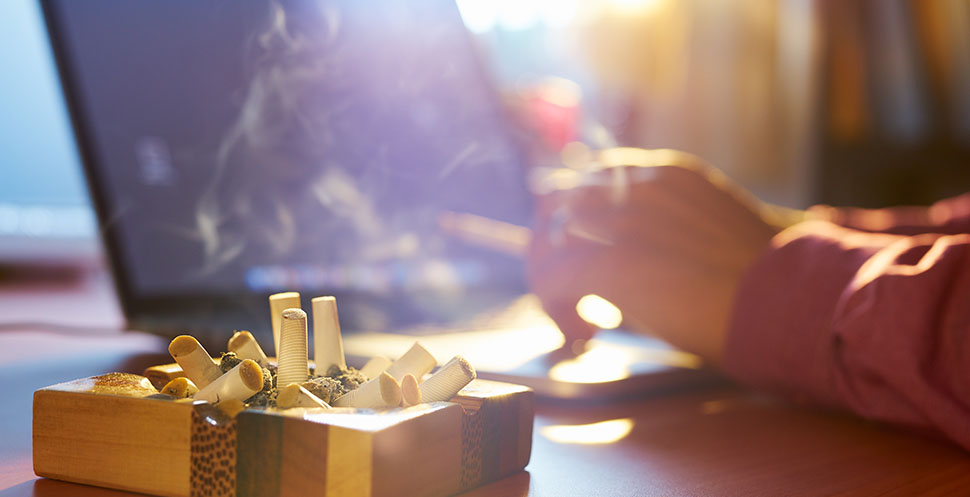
[[677, 208], [573, 327], [559, 277]]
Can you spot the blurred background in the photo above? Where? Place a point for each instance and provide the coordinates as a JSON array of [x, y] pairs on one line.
[[863, 102], [844, 102]]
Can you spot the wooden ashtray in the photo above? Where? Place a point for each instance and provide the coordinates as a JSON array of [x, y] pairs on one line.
[[106, 431]]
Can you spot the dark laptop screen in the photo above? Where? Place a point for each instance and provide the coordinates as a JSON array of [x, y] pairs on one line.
[[261, 146]]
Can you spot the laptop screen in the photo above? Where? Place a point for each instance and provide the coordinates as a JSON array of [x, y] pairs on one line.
[[254, 147]]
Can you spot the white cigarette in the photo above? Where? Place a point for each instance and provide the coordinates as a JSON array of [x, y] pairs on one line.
[[293, 365], [417, 361], [410, 391], [195, 362], [447, 381], [375, 366], [383, 391], [278, 302], [240, 383], [294, 395], [328, 347], [246, 347]]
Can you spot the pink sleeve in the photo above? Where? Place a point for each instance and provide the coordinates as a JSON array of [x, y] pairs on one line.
[[878, 324], [950, 216]]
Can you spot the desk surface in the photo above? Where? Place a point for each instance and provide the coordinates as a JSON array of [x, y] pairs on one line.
[[714, 441]]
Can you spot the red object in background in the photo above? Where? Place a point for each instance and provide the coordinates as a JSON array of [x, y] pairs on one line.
[[552, 108]]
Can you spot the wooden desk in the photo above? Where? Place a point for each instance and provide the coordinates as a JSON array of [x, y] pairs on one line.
[[716, 441]]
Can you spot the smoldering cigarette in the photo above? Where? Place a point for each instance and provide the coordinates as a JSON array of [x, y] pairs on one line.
[[328, 347], [383, 391], [293, 365], [410, 391], [246, 347], [195, 362], [278, 302], [447, 381], [294, 395], [241, 383], [375, 366], [417, 361], [180, 388]]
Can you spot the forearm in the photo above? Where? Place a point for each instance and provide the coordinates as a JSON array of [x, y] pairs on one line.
[[874, 323]]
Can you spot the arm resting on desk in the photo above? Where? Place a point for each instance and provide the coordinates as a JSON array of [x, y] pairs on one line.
[[875, 323]]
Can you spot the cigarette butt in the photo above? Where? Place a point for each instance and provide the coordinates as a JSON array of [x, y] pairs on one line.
[[328, 347], [375, 366], [293, 364], [241, 383], [278, 302], [417, 361], [231, 407], [180, 388], [246, 347], [383, 391], [195, 362], [448, 380], [410, 391], [390, 389], [294, 395]]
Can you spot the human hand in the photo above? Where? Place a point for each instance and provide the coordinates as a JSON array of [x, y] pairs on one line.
[[667, 244]]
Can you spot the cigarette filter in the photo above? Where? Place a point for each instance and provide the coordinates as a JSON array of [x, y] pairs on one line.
[[180, 388], [195, 362], [448, 380], [293, 364], [375, 366], [328, 347], [417, 361], [240, 383], [246, 347], [294, 395], [383, 391], [410, 392], [278, 302], [231, 407]]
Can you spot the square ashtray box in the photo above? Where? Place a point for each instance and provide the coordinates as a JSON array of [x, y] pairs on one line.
[[104, 431]]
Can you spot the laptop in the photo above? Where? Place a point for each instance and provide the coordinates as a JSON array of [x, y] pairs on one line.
[[239, 149]]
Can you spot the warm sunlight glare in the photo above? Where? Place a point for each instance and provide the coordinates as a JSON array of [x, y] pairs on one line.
[[604, 432], [599, 312], [596, 365], [635, 6], [482, 16]]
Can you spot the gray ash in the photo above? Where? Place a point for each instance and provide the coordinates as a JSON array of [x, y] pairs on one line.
[[328, 389], [349, 377], [264, 398], [228, 361]]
